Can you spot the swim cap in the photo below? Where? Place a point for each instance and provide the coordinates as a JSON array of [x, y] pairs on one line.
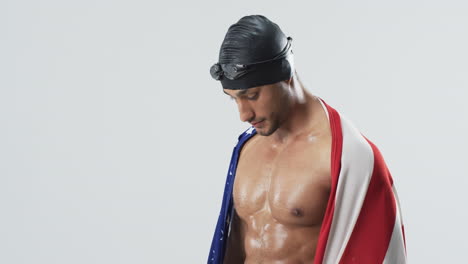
[[254, 52]]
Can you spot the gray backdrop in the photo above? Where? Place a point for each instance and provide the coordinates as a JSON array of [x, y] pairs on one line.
[[115, 141]]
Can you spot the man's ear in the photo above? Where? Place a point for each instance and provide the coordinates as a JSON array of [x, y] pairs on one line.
[[290, 82]]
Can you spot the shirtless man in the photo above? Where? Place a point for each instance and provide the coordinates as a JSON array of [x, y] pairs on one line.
[[283, 177]]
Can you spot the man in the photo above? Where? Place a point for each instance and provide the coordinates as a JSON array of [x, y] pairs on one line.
[[304, 186]]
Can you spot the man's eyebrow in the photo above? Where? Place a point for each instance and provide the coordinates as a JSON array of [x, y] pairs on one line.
[[239, 93]]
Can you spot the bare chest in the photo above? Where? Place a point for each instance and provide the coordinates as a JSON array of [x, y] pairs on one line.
[[290, 185]]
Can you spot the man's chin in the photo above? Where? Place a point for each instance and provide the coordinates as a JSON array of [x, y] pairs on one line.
[[264, 131]]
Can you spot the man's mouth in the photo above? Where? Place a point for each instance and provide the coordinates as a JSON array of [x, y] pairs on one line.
[[257, 123]]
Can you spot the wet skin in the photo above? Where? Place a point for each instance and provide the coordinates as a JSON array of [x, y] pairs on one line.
[[282, 181]]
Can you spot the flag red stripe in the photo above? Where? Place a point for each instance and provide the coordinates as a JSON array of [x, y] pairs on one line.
[[337, 146], [371, 235]]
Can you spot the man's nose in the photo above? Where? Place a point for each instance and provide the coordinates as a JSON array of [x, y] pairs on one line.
[[245, 112]]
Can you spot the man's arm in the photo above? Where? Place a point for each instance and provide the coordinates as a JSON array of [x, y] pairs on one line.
[[235, 253]]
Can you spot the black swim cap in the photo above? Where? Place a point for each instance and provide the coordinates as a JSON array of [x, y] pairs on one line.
[[254, 52]]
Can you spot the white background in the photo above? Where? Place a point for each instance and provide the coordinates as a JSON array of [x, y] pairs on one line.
[[115, 141]]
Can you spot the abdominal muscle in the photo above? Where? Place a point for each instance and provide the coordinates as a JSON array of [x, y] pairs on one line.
[[267, 240]]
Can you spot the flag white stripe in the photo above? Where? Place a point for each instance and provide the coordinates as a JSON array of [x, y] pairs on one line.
[[396, 249], [357, 164]]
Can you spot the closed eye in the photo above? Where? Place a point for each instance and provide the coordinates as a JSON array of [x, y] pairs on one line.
[[252, 96]]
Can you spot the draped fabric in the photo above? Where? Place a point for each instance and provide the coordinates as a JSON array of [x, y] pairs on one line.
[[362, 223]]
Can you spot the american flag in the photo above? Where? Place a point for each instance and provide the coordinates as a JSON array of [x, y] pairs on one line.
[[362, 223]]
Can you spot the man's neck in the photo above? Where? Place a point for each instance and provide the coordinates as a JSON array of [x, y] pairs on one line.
[[301, 119]]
